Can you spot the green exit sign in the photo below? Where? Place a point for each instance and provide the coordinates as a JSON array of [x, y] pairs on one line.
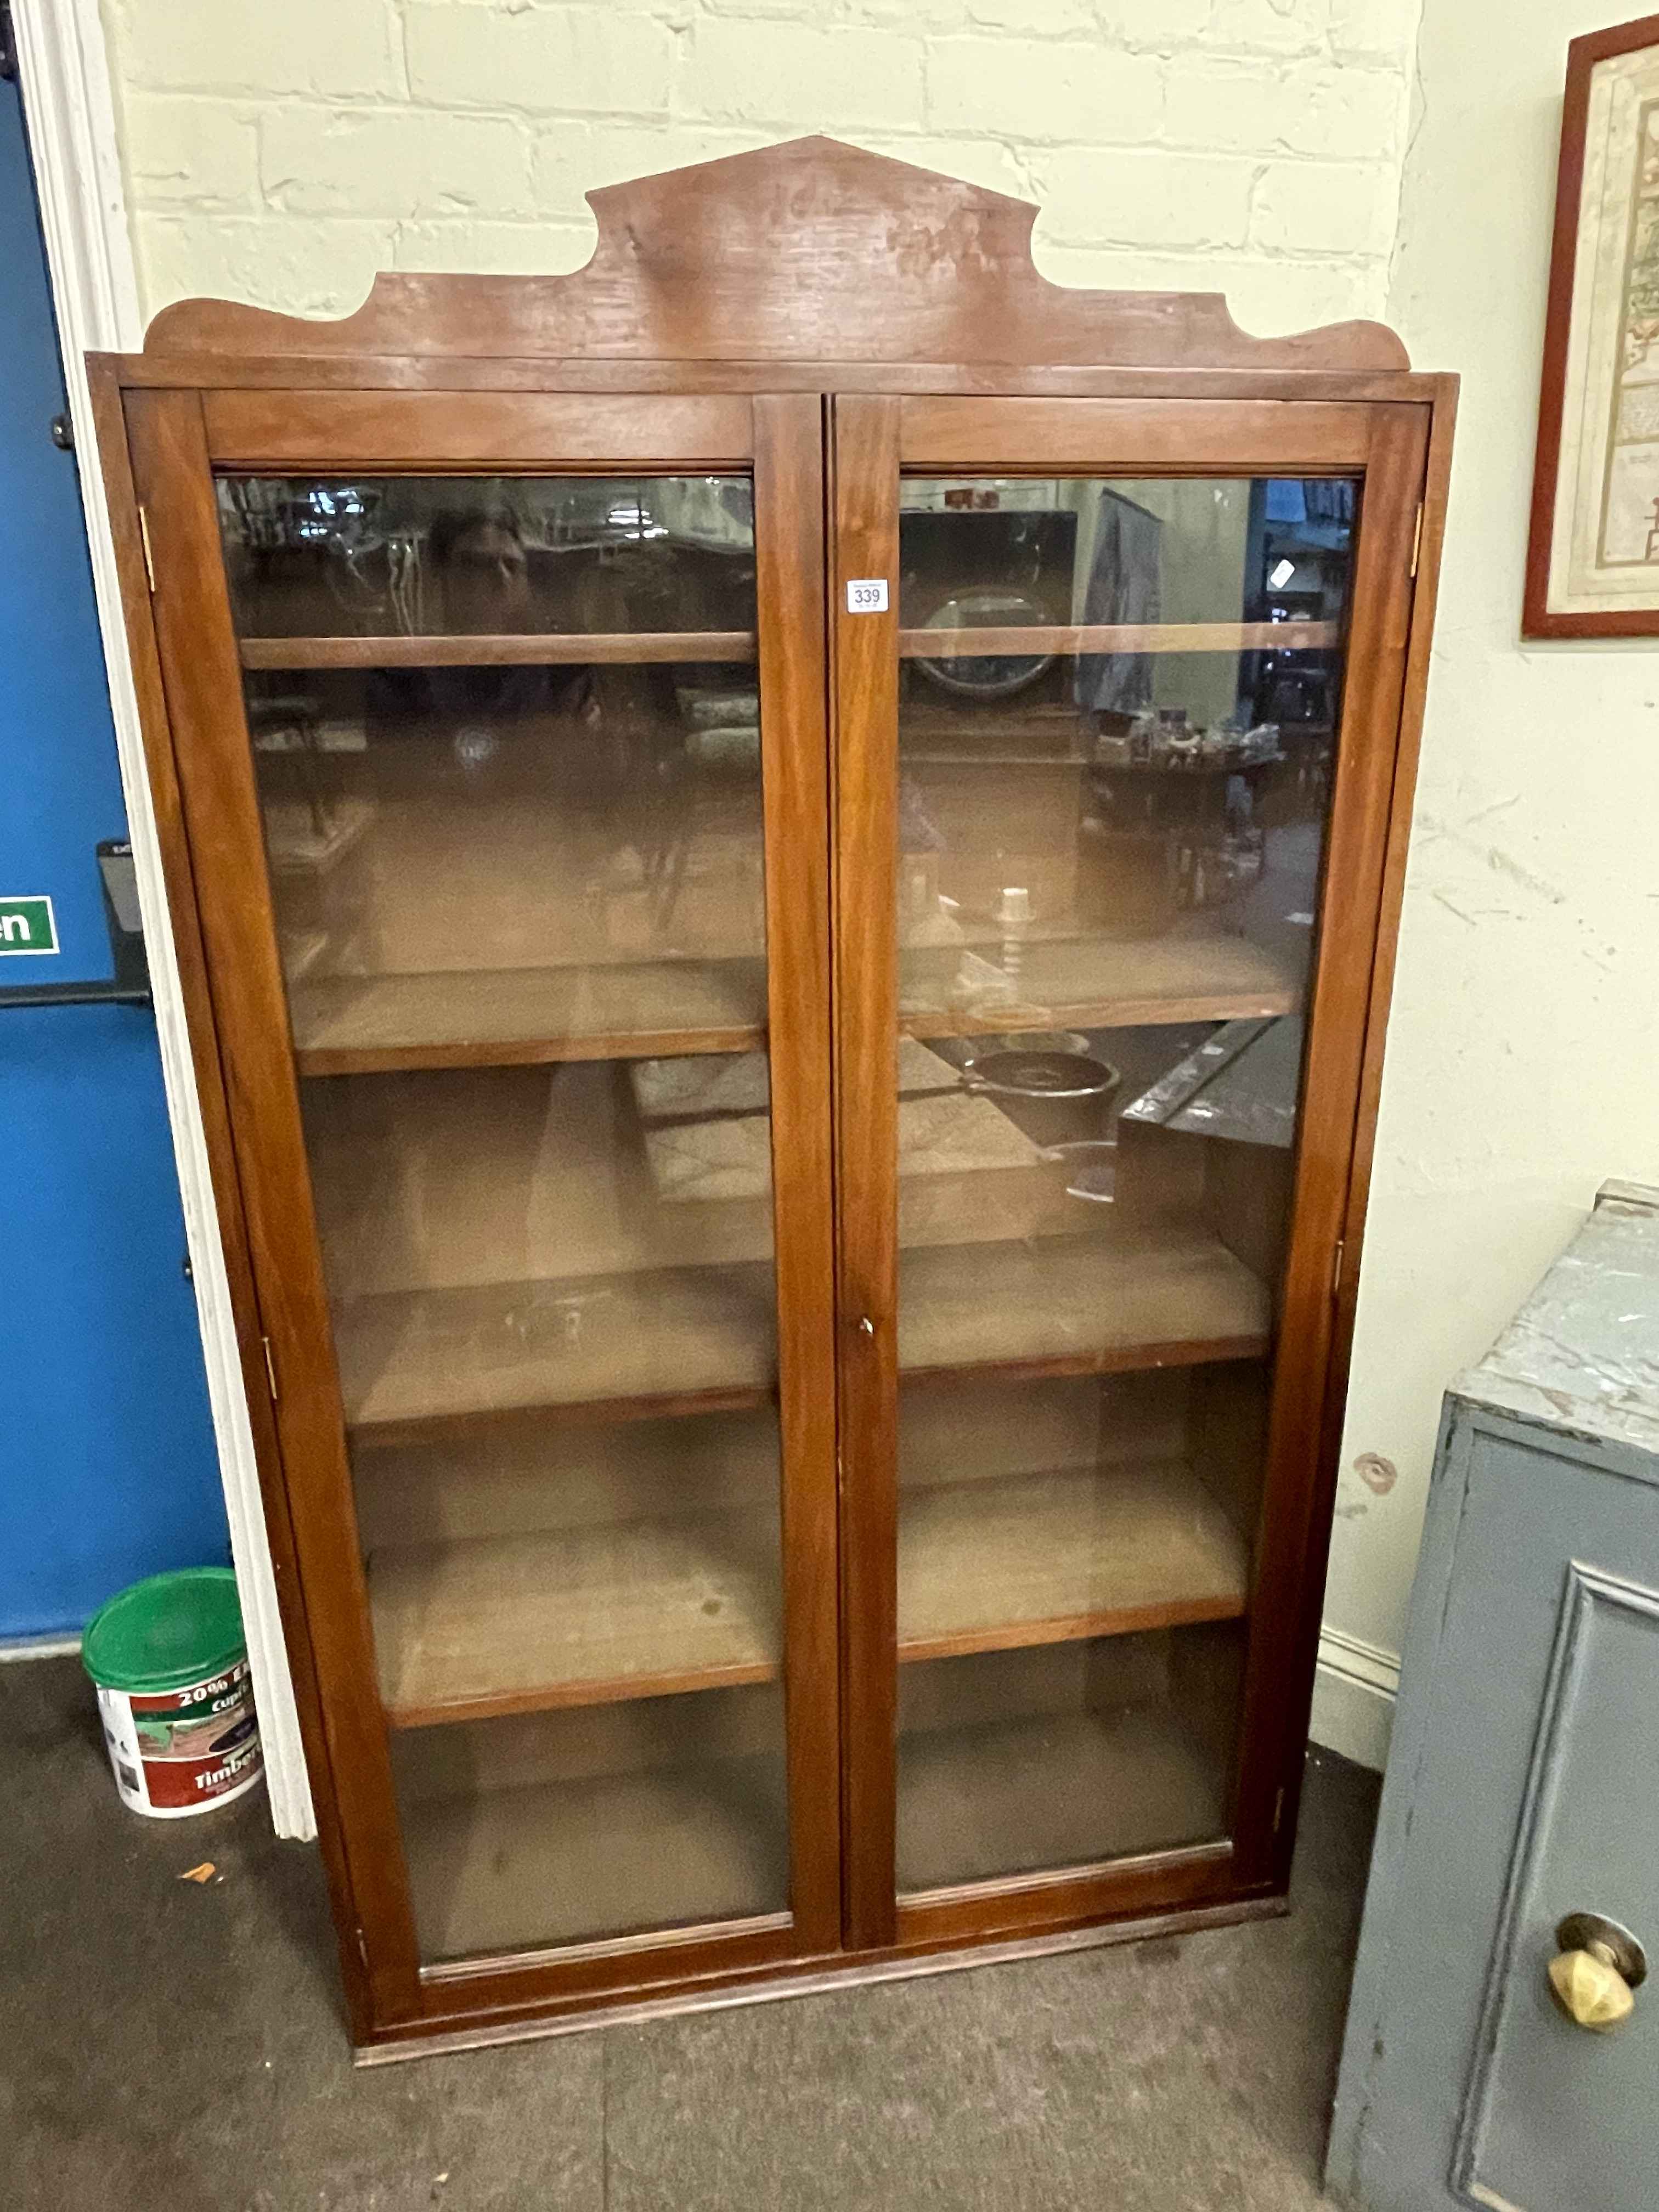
[[27, 926]]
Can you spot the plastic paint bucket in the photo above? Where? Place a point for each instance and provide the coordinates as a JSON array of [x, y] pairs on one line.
[[170, 1664]]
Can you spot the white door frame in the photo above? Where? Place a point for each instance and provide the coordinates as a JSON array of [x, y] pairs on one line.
[[64, 68]]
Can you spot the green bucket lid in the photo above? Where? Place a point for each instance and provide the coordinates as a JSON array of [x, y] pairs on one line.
[[166, 1633]]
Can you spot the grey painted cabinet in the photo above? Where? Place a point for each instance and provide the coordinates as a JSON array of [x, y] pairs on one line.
[[1523, 1785]]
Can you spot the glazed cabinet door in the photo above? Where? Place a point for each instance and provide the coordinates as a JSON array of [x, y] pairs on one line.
[[1117, 687], [499, 724]]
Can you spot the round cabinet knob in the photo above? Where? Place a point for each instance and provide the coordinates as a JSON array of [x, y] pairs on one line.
[[1594, 1975]]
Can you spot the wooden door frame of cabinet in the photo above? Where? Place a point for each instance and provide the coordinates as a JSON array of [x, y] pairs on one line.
[[864, 542], [171, 438], [873, 440], [804, 269], [789, 466], [1333, 1139], [1432, 530], [213, 763]]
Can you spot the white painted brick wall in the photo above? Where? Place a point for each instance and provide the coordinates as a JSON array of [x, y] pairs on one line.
[[282, 152]]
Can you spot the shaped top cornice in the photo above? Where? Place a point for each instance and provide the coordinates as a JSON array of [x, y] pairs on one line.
[[809, 250]]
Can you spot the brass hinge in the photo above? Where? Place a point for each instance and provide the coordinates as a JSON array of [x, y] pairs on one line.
[[1278, 1810], [1340, 1255], [150, 558], [1417, 538], [270, 1368]]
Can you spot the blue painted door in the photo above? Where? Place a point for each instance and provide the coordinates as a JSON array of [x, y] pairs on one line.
[[106, 1463]]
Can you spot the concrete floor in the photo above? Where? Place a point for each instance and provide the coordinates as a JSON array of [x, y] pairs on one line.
[[167, 2048]]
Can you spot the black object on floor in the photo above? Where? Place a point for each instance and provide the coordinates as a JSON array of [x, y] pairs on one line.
[[172, 2047]]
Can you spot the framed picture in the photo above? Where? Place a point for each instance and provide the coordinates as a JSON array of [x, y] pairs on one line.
[[1593, 558]]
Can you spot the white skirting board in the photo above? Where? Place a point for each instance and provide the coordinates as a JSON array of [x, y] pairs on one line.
[[38, 1647], [1354, 1693], [65, 72]]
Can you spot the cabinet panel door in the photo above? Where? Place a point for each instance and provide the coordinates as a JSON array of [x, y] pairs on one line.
[[1556, 2114], [1117, 690], [1523, 1787], [500, 732]]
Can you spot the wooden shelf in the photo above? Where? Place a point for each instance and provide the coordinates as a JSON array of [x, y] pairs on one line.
[[913, 756], [703, 1339], [1102, 982], [665, 1009], [522, 1017], [1120, 637], [561, 648], [996, 1564], [568, 1862], [575, 1616], [539, 650], [1083, 1305], [616, 1347], [917, 756], [540, 1620], [1012, 1797]]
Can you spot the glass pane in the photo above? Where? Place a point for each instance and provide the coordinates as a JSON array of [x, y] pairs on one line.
[[1064, 1754], [434, 556], [514, 836], [559, 1827], [1117, 710]]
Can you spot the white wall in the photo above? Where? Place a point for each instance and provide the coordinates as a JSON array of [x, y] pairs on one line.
[[1523, 1054], [282, 152]]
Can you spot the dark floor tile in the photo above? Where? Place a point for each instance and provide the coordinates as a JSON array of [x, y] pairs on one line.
[[1189, 2074], [165, 2048], [181, 2048]]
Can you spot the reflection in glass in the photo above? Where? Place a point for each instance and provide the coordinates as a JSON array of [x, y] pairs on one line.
[[514, 827], [1118, 702], [1065, 1755], [434, 556], [534, 857], [561, 1827]]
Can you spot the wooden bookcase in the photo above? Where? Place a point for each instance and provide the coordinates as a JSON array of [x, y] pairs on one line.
[[791, 1155]]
